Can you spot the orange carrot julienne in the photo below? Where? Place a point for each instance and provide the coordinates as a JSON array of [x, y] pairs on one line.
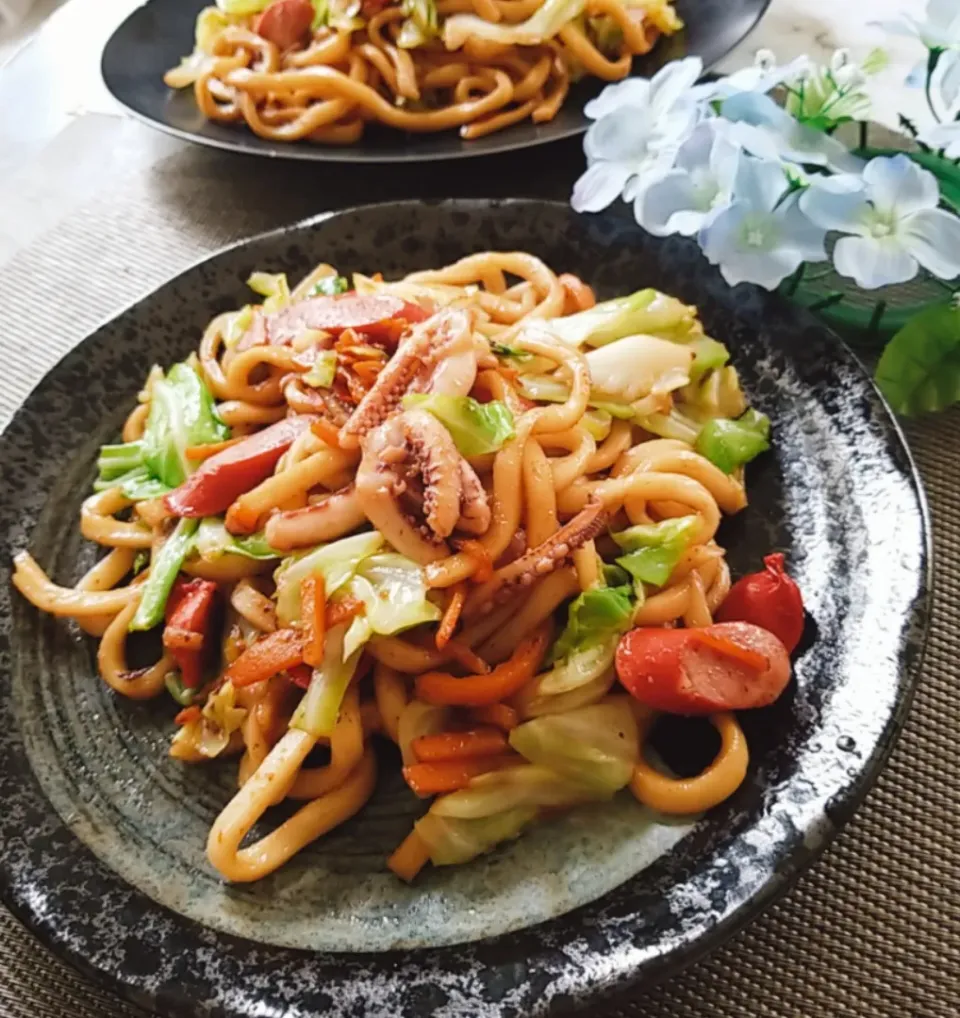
[[497, 714], [459, 745], [203, 452], [410, 857], [447, 690], [272, 653], [450, 775], [313, 611], [451, 616], [339, 612], [367, 371], [187, 715], [326, 432], [750, 658], [466, 658]]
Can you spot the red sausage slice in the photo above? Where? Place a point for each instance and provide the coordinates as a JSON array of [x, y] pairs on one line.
[[674, 670], [378, 316], [227, 475], [285, 22]]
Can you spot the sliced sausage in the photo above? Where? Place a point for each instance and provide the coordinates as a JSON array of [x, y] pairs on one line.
[[285, 22], [726, 666]]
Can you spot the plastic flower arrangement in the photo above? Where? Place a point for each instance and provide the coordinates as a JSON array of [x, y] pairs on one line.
[[752, 167]]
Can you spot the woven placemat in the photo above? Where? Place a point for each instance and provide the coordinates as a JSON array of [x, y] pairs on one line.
[[872, 930]]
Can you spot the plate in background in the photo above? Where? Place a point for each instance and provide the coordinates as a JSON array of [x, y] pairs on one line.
[[157, 35]]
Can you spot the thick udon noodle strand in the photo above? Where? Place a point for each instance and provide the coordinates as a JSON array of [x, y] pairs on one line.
[[327, 86], [553, 492]]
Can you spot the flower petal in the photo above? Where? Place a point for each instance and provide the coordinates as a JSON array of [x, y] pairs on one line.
[[799, 234], [725, 157], [897, 186], [669, 205], [622, 136], [694, 153], [947, 80], [759, 184], [599, 186], [795, 141], [767, 268], [837, 203], [721, 239], [721, 233], [672, 81], [932, 236], [758, 78], [873, 262], [917, 75], [629, 92], [944, 136]]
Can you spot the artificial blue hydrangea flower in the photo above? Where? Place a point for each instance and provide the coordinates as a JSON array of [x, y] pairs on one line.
[[702, 180], [640, 125], [943, 136], [761, 236], [764, 129], [892, 223], [763, 76]]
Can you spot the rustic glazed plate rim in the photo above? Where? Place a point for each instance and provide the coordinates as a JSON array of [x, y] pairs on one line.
[[592, 985]]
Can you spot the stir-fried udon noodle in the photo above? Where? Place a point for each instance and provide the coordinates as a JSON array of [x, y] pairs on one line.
[[425, 512], [320, 70]]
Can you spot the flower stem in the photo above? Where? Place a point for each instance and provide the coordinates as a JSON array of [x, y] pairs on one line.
[[932, 60], [794, 281], [874, 323]]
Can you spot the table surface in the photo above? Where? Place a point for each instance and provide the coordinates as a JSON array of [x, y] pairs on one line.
[[98, 209]]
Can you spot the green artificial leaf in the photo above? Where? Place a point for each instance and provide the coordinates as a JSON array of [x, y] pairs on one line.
[[919, 371]]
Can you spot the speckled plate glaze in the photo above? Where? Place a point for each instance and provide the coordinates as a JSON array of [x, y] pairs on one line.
[[102, 835], [156, 35]]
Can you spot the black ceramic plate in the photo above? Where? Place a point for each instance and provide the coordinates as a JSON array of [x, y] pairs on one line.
[[102, 834], [155, 36]]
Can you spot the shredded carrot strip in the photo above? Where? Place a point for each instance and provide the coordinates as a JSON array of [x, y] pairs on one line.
[[339, 612], [449, 775], [326, 432], [451, 616], [367, 371], [508, 678], [313, 611], [497, 714], [273, 653], [466, 658], [187, 715], [203, 452], [721, 645], [411, 856], [459, 745], [480, 555]]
